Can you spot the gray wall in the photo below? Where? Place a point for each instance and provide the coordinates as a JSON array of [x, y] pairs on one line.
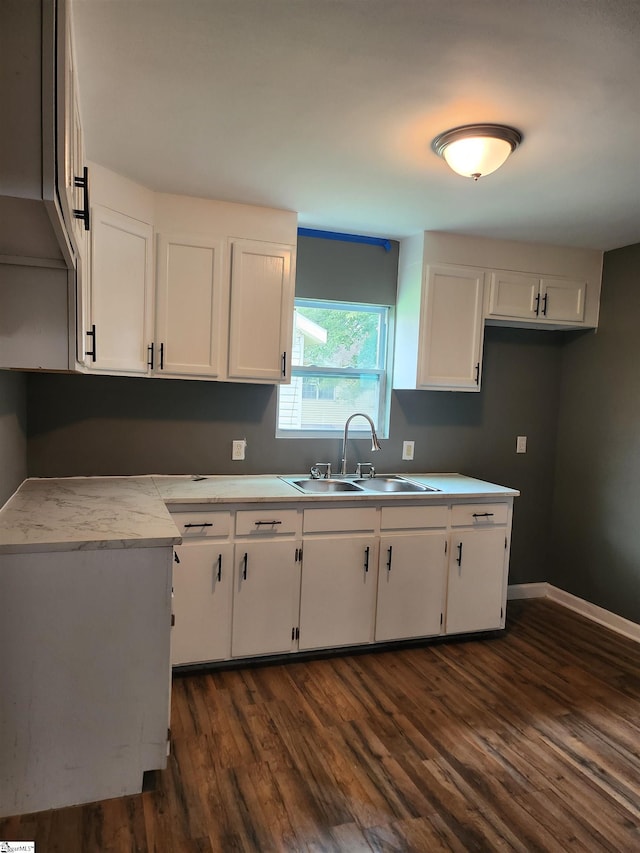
[[597, 499], [341, 271], [92, 425], [13, 433]]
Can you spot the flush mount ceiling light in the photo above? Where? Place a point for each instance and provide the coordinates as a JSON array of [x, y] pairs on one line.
[[476, 149]]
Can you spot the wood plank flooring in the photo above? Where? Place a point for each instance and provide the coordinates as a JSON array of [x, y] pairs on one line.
[[527, 742]]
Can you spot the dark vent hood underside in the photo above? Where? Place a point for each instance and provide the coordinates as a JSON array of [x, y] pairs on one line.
[[27, 232]]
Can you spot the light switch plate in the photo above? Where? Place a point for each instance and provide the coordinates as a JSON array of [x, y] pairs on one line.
[[521, 444]]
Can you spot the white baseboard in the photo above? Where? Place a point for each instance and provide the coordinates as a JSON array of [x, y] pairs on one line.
[[527, 590], [572, 602]]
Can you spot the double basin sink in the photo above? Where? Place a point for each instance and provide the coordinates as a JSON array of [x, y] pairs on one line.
[[392, 483]]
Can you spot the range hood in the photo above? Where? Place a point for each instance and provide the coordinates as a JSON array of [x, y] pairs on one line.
[[30, 234]]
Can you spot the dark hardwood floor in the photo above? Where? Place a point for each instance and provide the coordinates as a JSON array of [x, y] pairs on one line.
[[527, 742]]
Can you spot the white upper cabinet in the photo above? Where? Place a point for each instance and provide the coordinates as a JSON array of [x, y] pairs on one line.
[[439, 322], [210, 307], [189, 317], [224, 304], [440, 311], [451, 323], [515, 296], [563, 300], [121, 293], [261, 314]]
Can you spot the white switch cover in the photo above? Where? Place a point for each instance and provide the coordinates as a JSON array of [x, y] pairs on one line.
[[521, 444], [407, 449], [237, 449]]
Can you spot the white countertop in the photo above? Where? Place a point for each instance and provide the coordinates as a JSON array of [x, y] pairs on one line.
[[79, 513]]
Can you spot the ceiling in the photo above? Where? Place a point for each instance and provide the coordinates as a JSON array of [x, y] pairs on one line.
[[328, 107]]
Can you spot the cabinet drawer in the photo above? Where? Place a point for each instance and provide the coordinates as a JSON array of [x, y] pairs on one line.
[[338, 520], [202, 524], [405, 517], [267, 522], [479, 515]]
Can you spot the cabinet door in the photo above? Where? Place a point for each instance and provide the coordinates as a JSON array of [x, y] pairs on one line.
[[411, 579], [70, 153], [261, 320], [476, 590], [121, 294], [265, 598], [337, 597], [189, 324], [562, 300], [202, 587], [514, 295], [450, 351]]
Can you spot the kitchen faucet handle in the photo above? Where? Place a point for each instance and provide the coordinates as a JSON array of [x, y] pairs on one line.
[[317, 473], [360, 473]]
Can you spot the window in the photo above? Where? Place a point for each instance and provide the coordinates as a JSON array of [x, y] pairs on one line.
[[338, 367]]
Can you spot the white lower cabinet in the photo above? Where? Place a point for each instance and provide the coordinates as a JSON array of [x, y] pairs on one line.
[[266, 597], [411, 576], [338, 591], [478, 564], [410, 585], [202, 589], [85, 674], [270, 580]]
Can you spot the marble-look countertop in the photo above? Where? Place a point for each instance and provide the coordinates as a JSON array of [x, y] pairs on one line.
[[268, 488], [79, 513]]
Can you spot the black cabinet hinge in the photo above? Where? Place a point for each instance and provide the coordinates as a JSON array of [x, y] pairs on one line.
[[173, 619]]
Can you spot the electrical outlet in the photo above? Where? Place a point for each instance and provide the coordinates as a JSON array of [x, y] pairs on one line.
[[521, 444], [237, 449], [407, 450]]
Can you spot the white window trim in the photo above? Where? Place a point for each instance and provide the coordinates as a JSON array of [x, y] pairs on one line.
[[357, 429]]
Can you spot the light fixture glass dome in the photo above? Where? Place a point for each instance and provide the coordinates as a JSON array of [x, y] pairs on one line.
[[477, 149]]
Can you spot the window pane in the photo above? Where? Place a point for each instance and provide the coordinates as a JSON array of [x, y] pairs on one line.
[[329, 404], [340, 337]]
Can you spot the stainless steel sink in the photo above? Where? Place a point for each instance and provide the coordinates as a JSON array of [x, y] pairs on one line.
[[308, 484], [392, 484]]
